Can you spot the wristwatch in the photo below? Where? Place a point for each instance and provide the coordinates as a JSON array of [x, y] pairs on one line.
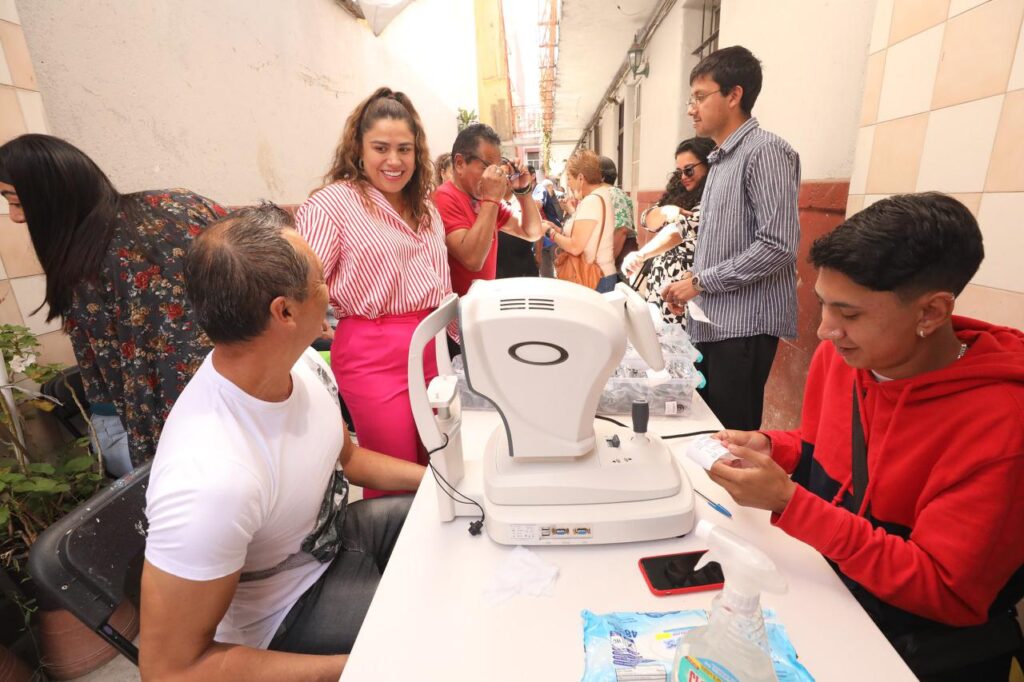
[[695, 282], [525, 190]]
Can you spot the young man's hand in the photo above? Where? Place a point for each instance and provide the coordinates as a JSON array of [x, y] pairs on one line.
[[755, 440], [755, 480], [677, 294]]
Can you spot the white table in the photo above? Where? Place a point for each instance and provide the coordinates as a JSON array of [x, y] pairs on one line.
[[429, 621]]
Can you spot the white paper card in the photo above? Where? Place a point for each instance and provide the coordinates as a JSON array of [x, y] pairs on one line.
[[705, 451], [696, 313]]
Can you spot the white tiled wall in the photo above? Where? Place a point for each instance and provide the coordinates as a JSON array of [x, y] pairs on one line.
[[910, 68], [944, 110], [959, 167]]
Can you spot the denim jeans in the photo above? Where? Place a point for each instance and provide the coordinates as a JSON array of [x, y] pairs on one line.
[[607, 283], [327, 617], [113, 443]]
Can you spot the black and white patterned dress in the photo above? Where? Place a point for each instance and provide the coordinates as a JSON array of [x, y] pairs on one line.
[[670, 266]]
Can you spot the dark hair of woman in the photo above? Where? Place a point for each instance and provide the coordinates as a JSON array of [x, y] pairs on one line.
[[71, 209], [675, 193], [348, 162]]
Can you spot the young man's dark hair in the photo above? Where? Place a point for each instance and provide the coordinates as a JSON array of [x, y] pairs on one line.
[[729, 67], [467, 142], [907, 244]]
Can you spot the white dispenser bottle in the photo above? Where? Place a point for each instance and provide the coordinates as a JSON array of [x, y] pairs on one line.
[[733, 646]]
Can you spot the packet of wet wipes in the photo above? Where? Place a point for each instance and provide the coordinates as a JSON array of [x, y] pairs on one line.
[[634, 646], [705, 451]]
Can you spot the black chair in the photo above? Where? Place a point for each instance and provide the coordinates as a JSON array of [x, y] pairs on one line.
[[90, 561], [66, 411]]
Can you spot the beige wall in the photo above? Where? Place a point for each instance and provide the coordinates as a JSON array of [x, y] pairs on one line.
[[813, 58], [943, 110], [238, 99], [234, 99], [22, 284]]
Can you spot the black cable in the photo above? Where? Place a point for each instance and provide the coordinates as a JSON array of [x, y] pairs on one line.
[[669, 437], [609, 419], [474, 526], [690, 433]]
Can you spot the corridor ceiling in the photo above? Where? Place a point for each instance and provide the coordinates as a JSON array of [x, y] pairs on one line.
[[594, 36]]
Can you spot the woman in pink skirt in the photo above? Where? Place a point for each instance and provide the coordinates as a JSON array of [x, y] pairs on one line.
[[381, 243]]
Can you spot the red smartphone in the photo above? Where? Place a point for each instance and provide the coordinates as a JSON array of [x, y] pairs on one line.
[[674, 573]]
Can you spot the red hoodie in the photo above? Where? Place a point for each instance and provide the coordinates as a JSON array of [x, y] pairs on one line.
[[941, 529]]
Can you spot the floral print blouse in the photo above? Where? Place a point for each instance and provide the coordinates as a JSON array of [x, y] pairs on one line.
[[132, 328], [622, 203]]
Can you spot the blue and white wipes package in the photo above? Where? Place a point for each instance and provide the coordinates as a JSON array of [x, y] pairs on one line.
[[641, 647]]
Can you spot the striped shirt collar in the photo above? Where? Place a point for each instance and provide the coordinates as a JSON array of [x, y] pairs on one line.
[[734, 139]]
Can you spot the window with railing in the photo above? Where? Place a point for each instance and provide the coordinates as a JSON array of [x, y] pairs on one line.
[[710, 16], [529, 119]]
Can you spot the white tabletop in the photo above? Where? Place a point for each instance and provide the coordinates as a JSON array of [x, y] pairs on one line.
[[429, 621]]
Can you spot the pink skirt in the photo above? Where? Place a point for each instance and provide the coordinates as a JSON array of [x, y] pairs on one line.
[[370, 362]]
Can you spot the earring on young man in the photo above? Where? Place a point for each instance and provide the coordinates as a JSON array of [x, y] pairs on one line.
[[920, 332]]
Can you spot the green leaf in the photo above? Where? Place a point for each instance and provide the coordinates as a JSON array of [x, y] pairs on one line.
[[12, 477], [5, 515], [78, 464], [42, 468]]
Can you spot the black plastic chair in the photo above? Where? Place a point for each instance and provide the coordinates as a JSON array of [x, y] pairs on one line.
[[66, 411], [90, 561]]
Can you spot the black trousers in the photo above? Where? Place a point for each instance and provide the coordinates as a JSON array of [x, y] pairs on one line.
[[736, 371], [327, 618]]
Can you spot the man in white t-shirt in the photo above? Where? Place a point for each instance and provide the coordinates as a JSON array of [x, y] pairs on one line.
[[254, 559]]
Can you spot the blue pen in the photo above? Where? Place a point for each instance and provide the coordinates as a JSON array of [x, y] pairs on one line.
[[714, 505]]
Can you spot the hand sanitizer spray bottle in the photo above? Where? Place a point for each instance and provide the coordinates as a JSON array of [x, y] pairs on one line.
[[733, 646]]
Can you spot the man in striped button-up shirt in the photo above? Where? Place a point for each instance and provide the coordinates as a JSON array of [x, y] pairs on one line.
[[744, 273]]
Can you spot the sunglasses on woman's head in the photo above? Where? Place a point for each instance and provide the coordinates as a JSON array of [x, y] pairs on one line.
[[689, 169]]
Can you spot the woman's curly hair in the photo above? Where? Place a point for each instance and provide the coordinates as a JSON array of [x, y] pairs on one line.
[[348, 162]]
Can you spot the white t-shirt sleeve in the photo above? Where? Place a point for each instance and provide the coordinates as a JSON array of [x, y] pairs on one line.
[[201, 527]]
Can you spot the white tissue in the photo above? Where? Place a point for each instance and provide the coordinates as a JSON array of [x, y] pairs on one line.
[[521, 573], [696, 313]]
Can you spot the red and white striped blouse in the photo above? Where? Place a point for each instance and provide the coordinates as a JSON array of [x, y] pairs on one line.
[[374, 264]]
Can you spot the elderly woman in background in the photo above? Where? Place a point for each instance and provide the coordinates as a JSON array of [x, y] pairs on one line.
[[114, 275], [442, 169], [381, 243], [676, 218], [590, 235]]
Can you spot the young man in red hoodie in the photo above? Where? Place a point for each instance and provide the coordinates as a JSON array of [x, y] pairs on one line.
[[908, 466]]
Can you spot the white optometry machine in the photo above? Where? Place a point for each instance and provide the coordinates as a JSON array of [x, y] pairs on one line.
[[541, 350]]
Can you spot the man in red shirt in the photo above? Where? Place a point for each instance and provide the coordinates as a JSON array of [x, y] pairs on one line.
[[470, 206]]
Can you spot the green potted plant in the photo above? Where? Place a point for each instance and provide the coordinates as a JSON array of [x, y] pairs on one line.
[[465, 118], [36, 488]]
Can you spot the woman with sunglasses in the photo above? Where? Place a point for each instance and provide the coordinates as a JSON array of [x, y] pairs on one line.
[[675, 217], [381, 243]]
